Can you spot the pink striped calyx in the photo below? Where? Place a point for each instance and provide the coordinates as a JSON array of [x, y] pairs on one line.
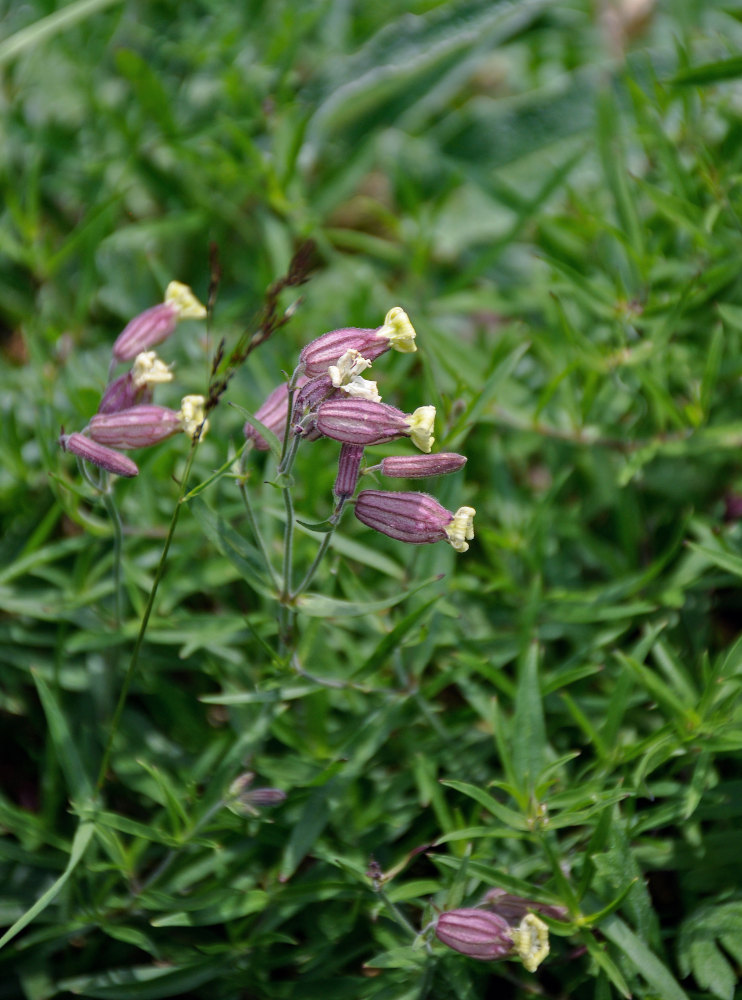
[[396, 332], [364, 422], [98, 454], [479, 934]]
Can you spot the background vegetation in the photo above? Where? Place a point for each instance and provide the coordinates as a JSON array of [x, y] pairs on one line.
[[553, 192]]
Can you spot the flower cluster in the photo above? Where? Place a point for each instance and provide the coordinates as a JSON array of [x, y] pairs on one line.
[[127, 418], [503, 926], [329, 397]]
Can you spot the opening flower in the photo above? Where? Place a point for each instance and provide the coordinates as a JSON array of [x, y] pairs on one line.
[[416, 518]]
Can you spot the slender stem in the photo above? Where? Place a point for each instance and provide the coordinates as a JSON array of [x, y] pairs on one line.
[[289, 415], [118, 540], [131, 669], [334, 521]]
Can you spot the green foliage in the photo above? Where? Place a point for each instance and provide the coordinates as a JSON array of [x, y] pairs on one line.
[[556, 712]]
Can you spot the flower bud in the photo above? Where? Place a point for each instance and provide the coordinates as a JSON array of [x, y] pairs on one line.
[[349, 465], [156, 324], [245, 801], [91, 451], [420, 466], [324, 351], [136, 427], [366, 422], [416, 518], [476, 933]]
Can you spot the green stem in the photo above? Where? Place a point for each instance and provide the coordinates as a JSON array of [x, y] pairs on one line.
[[131, 669], [286, 614]]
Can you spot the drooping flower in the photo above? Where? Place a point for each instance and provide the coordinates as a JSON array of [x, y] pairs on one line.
[[136, 427], [419, 466], [98, 454], [157, 323], [476, 933], [325, 351], [146, 424], [487, 936], [366, 422], [416, 518]]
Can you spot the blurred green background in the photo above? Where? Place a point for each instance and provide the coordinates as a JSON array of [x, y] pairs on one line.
[[552, 192]]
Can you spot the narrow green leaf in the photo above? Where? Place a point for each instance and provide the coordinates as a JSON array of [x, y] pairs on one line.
[[392, 640], [37, 33], [80, 843], [713, 72], [529, 730], [79, 785], [644, 961], [145, 982], [508, 816], [240, 553], [318, 606]]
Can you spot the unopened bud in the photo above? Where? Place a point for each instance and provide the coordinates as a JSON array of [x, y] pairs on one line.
[[98, 454], [348, 468], [420, 466], [245, 801]]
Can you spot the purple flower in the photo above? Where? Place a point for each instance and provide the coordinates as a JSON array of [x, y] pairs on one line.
[[476, 933], [361, 421], [416, 518], [420, 466], [137, 427], [349, 465], [156, 324], [396, 331], [98, 454]]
